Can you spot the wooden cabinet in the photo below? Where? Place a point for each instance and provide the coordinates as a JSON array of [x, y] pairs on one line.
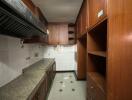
[[109, 49], [81, 58], [84, 15], [97, 10], [45, 85], [120, 50], [82, 22], [58, 33], [63, 34], [53, 34], [78, 26]]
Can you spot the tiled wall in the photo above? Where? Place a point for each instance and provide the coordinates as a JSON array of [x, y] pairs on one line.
[[13, 58], [64, 56]]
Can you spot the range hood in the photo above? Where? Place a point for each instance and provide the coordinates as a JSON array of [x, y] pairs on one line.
[[13, 24]]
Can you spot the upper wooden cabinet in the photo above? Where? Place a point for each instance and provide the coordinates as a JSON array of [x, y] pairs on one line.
[[58, 33], [63, 34], [97, 11], [84, 16], [53, 33], [82, 22]]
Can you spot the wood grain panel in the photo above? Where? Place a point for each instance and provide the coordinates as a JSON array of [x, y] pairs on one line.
[[84, 15], [63, 34], [95, 6], [58, 33], [82, 51], [120, 50], [53, 33]]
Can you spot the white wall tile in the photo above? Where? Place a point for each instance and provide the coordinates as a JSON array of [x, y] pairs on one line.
[[64, 56], [13, 57]]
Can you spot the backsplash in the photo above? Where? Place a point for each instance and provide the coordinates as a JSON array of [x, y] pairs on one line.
[[14, 57], [64, 56]]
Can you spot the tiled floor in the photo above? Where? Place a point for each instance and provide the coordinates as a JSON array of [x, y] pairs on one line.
[[65, 87]]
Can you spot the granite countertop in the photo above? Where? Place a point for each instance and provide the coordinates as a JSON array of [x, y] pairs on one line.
[[41, 65], [24, 86]]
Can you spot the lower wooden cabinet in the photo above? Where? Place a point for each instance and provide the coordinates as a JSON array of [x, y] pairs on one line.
[[45, 86]]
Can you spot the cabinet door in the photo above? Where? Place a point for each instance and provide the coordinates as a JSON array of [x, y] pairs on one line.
[[84, 16], [63, 34], [97, 10], [53, 34], [79, 25]]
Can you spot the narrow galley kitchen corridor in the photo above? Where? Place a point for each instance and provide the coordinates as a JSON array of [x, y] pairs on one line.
[[66, 87]]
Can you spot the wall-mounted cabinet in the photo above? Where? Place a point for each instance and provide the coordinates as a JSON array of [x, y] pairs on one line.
[[82, 22], [58, 33], [97, 11]]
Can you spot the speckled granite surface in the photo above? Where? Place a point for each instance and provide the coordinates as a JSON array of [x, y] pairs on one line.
[[23, 87]]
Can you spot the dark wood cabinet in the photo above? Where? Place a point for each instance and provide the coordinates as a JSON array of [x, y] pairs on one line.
[[58, 33], [97, 10], [81, 58], [84, 15], [53, 34], [63, 34], [82, 22], [45, 84]]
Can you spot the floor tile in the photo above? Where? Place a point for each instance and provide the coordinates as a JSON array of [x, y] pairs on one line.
[[66, 87]]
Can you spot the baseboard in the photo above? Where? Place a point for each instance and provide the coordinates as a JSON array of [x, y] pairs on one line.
[[65, 71], [73, 71], [75, 74]]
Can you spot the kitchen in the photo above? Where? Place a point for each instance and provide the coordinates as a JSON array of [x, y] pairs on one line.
[[65, 49]]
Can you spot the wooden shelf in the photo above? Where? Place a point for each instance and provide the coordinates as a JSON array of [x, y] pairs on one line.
[[71, 38], [98, 53], [71, 32], [98, 79], [100, 23]]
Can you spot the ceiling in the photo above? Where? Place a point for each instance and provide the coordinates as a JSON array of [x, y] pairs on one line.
[[59, 10]]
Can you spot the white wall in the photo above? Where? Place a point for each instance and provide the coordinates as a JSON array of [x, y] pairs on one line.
[[13, 57], [64, 56]]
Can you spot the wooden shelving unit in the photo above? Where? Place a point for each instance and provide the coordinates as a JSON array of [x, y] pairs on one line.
[[97, 55], [71, 34], [108, 53]]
